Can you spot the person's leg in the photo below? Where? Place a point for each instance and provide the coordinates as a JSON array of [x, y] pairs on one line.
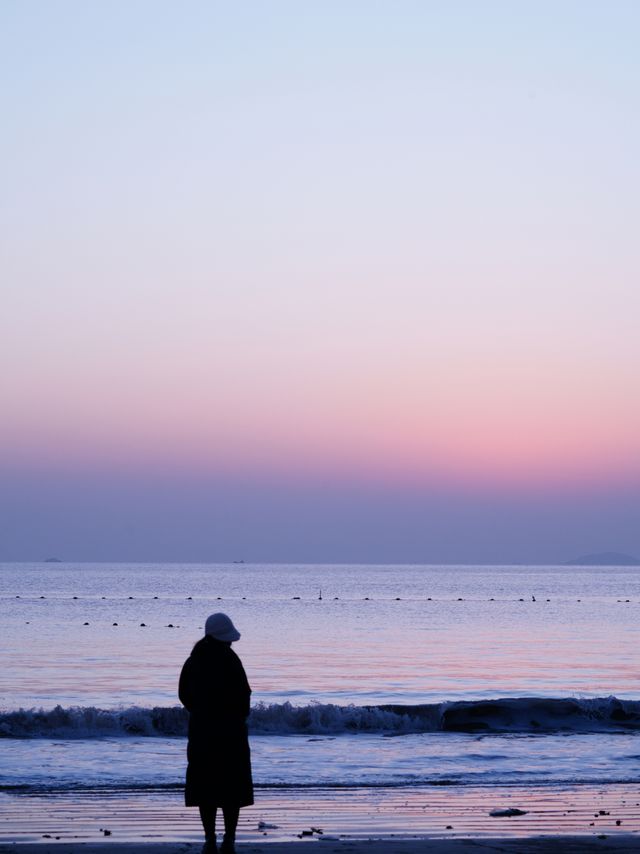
[[230, 814], [208, 818]]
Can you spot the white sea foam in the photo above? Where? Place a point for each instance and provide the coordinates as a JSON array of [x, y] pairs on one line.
[[515, 715]]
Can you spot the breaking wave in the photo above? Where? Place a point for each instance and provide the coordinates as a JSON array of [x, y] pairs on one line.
[[512, 715]]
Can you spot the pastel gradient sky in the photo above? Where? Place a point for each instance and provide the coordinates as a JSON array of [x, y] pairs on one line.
[[320, 280]]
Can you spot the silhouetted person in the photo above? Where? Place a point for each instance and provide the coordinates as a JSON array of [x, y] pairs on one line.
[[215, 691]]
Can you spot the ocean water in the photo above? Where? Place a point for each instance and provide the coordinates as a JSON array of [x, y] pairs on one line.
[[362, 676]]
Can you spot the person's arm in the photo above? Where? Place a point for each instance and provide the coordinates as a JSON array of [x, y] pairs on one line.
[[241, 689], [246, 692], [185, 692]]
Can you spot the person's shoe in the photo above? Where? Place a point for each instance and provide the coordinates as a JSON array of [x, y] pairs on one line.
[[227, 846], [210, 847]]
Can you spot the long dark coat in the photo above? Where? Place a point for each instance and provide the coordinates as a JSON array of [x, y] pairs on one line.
[[215, 691]]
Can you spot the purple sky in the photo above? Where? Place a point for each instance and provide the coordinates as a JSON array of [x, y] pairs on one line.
[[335, 282]]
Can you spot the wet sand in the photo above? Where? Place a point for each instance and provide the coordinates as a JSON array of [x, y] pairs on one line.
[[531, 845], [361, 821], [289, 815]]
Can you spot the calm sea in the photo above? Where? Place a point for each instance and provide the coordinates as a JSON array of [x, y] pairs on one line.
[[361, 675]]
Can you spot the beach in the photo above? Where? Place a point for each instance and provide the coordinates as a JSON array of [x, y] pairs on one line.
[[349, 819], [392, 706], [531, 845]]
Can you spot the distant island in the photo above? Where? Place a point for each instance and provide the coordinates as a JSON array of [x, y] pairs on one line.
[[604, 559], [53, 560]]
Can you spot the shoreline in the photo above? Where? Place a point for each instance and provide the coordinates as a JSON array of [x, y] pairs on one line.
[[448, 819], [522, 845]]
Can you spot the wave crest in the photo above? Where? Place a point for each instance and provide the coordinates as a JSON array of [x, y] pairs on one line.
[[507, 715]]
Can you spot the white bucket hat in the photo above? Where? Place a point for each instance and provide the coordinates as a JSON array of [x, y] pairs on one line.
[[220, 627]]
